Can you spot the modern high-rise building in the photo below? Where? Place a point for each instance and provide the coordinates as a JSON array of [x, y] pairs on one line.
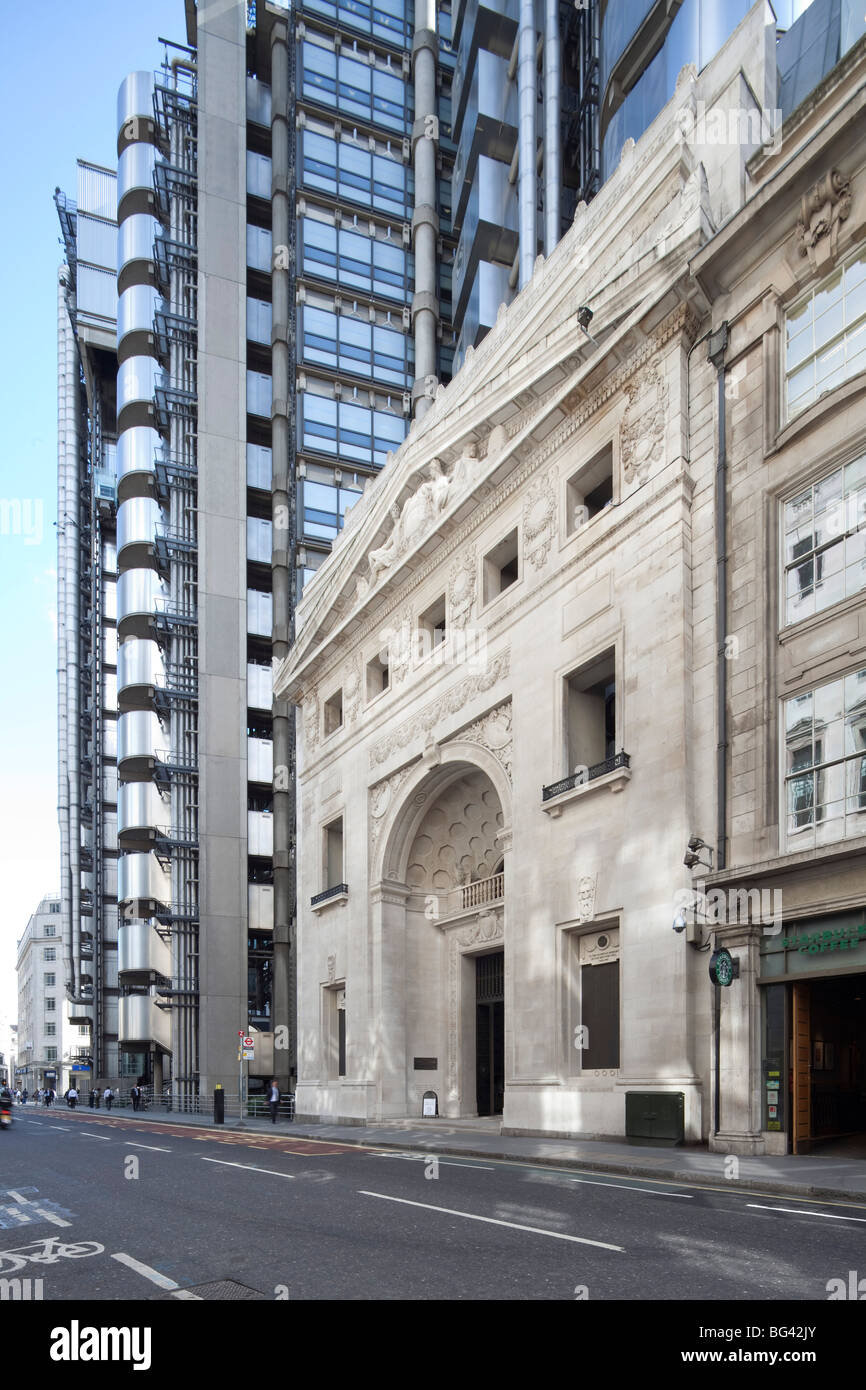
[[319, 210]]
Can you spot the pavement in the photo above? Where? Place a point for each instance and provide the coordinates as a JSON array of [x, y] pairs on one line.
[[835, 1176]]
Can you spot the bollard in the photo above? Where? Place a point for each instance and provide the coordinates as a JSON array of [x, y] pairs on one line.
[[219, 1105]]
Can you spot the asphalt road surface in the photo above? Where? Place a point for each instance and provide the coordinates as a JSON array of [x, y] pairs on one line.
[[110, 1209]]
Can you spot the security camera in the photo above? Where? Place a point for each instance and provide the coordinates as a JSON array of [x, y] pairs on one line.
[[696, 842], [691, 859], [584, 316], [679, 923]]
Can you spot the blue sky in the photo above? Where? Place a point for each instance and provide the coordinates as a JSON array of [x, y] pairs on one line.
[[64, 63]]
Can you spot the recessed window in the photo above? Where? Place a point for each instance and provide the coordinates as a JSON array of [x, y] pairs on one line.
[[825, 542], [431, 628], [49, 953], [501, 566], [334, 713], [378, 675], [49, 980], [825, 763], [50, 1030], [590, 713], [333, 854], [825, 336], [49, 1006], [590, 490]]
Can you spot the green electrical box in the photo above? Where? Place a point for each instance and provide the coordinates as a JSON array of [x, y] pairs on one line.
[[655, 1117]]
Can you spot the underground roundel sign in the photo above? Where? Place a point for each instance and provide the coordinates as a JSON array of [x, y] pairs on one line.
[[721, 967]]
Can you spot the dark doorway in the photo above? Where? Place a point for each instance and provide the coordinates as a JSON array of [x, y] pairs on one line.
[[490, 1033]]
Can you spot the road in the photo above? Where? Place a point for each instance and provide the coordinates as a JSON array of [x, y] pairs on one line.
[[126, 1208]]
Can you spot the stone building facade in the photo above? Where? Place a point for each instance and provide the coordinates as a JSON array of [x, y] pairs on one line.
[[509, 671], [787, 274]]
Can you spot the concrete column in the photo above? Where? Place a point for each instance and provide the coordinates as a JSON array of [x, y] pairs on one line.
[[425, 223], [526, 141], [281, 563], [388, 996]]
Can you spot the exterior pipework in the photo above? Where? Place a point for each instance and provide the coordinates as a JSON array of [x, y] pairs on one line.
[[552, 151], [526, 141], [70, 450], [425, 222], [283, 547], [67, 748]]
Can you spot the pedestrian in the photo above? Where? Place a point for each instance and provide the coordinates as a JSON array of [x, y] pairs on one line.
[[46, 1099], [107, 1097], [53, 1099], [66, 1095], [274, 1099], [72, 1097], [92, 1096], [135, 1093], [24, 1094]]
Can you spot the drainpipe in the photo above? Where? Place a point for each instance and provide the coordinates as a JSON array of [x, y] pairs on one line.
[[716, 354], [281, 559], [527, 186], [425, 222], [552, 154]]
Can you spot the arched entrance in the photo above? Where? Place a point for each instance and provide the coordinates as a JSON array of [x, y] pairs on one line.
[[438, 929]]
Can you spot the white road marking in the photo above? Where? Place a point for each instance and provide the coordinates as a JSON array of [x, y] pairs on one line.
[[798, 1211], [425, 1158], [17, 1197], [154, 1148], [624, 1187], [63, 1127], [161, 1280], [494, 1221], [104, 1137], [49, 1216], [248, 1167], [185, 1293], [14, 1211]]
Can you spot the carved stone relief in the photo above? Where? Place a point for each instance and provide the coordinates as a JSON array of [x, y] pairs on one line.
[[351, 691], [461, 589], [642, 433], [311, 719], [822, 209], [451, 702], [586, 897], [493, 731], [539, 520]]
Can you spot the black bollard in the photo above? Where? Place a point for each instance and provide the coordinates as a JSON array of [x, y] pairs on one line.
[[219, 1106]]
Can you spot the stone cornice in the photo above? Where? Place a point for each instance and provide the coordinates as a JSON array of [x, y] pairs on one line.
[[682, 320]]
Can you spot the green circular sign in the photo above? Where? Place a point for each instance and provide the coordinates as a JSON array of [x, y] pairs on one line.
[[721, 967]]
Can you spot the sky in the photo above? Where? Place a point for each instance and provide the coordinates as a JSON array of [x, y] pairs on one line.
[[65, 60]]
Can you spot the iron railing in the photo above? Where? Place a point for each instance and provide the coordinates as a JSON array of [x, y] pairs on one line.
[[586, 774]]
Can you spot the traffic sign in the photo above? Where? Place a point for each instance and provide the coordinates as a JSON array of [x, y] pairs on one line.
[[247, 1042], [248, 1054]]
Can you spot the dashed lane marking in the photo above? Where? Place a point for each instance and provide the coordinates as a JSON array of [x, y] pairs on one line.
[[495, 1221], [161, 1280], [248, 1167], [152, 1148], [798, 1211]]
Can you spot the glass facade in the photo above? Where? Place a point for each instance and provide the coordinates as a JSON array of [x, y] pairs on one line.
[[825, 763], [825, 542], [350, 172], [352, 259], [825, 336]]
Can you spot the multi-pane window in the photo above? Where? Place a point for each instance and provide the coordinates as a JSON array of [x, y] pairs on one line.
[[385, 19], [825, 763], [51, 1054], [348, 344], [49, 953], [825, 336], [349, 430], [49, 1005], [825, 542], [50, 1030], [353, 173], [324, 507], [52, 931], [347, 82], [350, 259], [49, 980]]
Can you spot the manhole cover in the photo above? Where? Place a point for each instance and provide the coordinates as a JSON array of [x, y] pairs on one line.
[[222, 1289]]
